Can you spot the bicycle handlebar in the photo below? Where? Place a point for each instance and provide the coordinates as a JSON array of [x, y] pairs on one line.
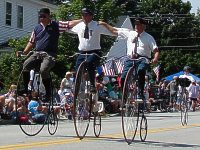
[[135, 59], [21, 54], [101, 57]]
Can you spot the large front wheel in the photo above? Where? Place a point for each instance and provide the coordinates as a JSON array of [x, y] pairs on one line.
[[184, 110], [129, 111], [29, 122], [82, 101]]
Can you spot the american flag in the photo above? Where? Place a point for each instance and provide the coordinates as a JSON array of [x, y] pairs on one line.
[[120, 64], [108, 68], [157, 72]]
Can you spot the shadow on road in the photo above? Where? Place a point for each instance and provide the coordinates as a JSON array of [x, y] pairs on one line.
[[164, 144]]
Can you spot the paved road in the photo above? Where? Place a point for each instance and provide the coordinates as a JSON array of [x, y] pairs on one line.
[[164, 132]]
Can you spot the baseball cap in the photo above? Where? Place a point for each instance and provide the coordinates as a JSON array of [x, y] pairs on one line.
[[186, 68], [141, 21], [44, 11], [86, 11]]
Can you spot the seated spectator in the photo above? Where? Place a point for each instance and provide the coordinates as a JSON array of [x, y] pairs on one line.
[[35, 106], [7, 101], [67, 105], [38, 112], [22, 110]]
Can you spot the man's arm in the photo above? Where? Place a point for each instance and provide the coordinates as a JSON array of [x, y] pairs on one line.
[[109, 27], [30, 44], [156, 56], [72, 23], [28, 47], [65, 26]]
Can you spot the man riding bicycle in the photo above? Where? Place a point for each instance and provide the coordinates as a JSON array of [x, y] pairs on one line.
[[44, 40], [89, 33], [139, 44]]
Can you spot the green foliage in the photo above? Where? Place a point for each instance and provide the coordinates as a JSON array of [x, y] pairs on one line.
[[9, 64], [176, 32], [9, 69], [170, 23]]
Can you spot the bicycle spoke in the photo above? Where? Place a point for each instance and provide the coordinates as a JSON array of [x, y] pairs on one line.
[[82, 102], [130, 113]]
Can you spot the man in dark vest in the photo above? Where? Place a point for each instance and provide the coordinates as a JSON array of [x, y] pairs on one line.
[[44, 40]]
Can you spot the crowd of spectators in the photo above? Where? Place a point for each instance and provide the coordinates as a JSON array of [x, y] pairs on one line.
[[163, 96]]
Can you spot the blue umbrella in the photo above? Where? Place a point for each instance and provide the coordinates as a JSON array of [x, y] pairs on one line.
[[170, 77]]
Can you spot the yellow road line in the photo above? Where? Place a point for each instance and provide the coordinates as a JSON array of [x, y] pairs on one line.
[[73, 140]]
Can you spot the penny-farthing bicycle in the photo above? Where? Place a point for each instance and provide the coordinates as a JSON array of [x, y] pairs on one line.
[[85, 101], [184, 82], [132, 110], [32, 123]]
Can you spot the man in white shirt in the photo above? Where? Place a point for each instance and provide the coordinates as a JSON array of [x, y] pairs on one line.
[[186, 70], [139, 44], [89, 33]]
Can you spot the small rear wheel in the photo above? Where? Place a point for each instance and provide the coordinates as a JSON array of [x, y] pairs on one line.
[[97, 124], [52, 123], [143, 128]]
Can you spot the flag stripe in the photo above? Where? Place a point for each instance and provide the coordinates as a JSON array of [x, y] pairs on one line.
[[157, 72], [108, 68]]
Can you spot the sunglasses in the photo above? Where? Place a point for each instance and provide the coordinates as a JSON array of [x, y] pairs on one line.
[[42, 16]]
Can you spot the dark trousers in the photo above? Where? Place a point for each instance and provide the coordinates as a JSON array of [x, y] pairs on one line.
[[92, 62], [141, 67], [44, 66]]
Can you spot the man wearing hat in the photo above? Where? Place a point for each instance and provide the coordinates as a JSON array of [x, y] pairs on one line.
[[89, 33], [139, 44], [186, 71], [44, 40]]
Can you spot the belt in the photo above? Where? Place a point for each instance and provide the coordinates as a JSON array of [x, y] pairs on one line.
[[89, 51], [136, 56]]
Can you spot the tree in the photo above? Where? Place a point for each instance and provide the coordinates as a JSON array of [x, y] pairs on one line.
[[176, 31], [10, 66]]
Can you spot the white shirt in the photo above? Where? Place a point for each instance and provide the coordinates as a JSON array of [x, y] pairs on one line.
[[35, 78], [95, 31], [145, 45], [186, 76], [193, 91]]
